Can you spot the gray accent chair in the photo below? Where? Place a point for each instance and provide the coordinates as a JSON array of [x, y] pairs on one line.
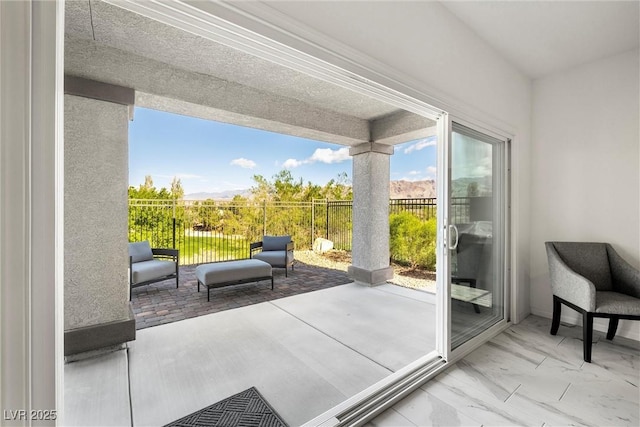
[[275, 250], [594, 280], [150, 265]]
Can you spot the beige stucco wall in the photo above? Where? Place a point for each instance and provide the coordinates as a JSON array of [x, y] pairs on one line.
[[95, 212]]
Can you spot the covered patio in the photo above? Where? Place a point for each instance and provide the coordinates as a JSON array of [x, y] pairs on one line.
[[305, 353]]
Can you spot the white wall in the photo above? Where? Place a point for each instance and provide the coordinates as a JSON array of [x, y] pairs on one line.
[[422, 49], [585, 182]]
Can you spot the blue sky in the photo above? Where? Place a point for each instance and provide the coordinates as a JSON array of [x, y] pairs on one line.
[[210, 156]]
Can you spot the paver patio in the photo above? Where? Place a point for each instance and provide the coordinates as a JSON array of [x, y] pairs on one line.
[[162, 303]]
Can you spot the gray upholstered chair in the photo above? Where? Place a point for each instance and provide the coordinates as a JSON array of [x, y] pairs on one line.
[[275, 250], [147, 265], [473, 258], [594, 280]]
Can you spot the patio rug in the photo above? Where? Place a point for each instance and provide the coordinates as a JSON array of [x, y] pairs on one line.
[[245, 409]]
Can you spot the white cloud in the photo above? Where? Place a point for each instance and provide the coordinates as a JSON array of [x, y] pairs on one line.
[[322, 155], [414, 172], [410, 178], [244, 163], [292, 163], [431, 172], [423, 143], [327, 155]]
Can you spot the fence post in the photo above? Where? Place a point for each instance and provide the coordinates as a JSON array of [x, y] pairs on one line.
[[264, 217], [327, 209], [174, 223], [313, 220]]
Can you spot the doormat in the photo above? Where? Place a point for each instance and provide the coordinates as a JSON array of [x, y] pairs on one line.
[[245, 409]]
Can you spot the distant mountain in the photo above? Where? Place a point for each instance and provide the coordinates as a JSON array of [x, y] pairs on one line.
[[397, 190], [220, 195], [461, 187], [412, 189], [465, 187]]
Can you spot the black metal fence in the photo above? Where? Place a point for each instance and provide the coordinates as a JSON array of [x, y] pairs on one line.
[[209, 231]]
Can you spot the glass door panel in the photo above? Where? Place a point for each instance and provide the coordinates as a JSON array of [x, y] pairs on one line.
[[476, 232]]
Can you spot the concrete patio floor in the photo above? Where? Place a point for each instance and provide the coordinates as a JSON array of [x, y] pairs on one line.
[[305, 353], [161, 303]]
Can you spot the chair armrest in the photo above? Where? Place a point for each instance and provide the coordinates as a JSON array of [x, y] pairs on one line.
[[290, 246], [166, 253], [253, 247], [626, 279], [569, 285]]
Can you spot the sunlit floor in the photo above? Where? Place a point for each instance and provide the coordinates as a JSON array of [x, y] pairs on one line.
[[309, 352], [527, 377], [304, 353]]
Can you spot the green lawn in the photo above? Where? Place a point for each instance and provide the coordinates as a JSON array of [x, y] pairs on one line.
[[202, 249]]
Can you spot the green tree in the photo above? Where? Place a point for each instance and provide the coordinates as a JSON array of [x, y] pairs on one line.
[[152, 213], [177, 192]]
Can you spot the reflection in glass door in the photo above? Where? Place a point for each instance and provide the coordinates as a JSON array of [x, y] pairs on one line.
[[477, 232]]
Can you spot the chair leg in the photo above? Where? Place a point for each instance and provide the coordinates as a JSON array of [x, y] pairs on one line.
[[613, 327], [472, 284], [587, 335], [285, 270], [557, 308]]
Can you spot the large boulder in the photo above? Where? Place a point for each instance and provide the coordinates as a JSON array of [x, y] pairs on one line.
[[321, 245]]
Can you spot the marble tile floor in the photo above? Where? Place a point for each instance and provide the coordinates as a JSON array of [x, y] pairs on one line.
[[527, 377]]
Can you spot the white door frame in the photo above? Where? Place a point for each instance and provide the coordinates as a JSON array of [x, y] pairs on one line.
[[444, 269], [31, 218]]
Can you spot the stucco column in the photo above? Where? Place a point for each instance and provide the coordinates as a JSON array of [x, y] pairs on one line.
[[370, 247], [97, 312]]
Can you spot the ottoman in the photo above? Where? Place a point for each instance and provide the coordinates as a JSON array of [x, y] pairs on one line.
[[227, 273]]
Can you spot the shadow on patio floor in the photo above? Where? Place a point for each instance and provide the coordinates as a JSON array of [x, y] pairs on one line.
[[162, 303]]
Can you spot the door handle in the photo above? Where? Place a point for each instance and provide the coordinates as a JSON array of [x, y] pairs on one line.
[[452, 228]]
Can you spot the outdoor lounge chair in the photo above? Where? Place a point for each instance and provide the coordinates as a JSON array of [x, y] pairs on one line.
[[147, 265], [594, 280], [275, 250]]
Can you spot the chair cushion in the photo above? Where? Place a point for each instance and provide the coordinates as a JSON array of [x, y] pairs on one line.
[[275, 258], [140, 251], [590, 260], [275, 243], [150, 270], [617, 303]]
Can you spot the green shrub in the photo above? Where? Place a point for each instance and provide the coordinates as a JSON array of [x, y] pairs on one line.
[[412, 240]]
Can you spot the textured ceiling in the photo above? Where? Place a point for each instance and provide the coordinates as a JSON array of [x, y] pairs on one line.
[[115, 27]]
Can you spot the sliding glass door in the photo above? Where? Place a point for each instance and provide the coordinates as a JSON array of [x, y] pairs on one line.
[[474, 233]]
